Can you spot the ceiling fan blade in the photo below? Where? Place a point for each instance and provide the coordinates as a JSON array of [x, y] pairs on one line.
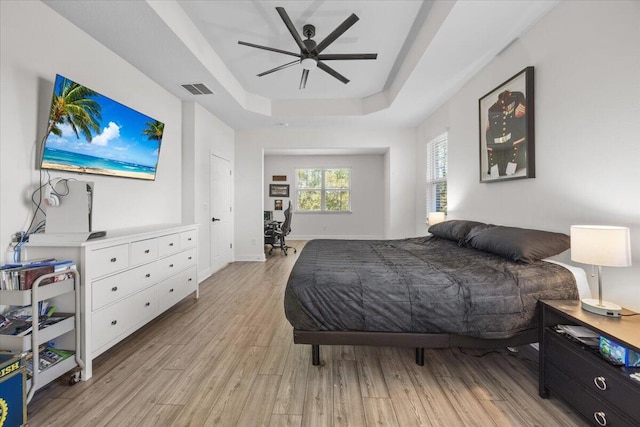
[[272, 49], [343, 56], [324, 67], [303, 80], [294, 33], [337, 32], [279, 68]]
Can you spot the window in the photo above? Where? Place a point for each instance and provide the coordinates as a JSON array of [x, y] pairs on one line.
[[323, 190], [437, 174]]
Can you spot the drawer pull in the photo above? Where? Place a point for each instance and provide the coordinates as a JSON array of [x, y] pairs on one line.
[[190, 279], [114, 289], [147, 275], [146, 251], [147, 304], [189, 239], [600, 418], [170, 244], [171, 290], [113, 259], [114, 322], [170, 265], [189, 258], [600, 382]]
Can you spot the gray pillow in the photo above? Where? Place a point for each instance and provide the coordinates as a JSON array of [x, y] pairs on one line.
[[518, 244], [455, 229]]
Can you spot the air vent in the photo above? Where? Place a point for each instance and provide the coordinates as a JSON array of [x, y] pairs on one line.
[[197, 89]]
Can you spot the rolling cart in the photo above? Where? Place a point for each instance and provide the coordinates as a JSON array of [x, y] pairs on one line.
[[59, 332]]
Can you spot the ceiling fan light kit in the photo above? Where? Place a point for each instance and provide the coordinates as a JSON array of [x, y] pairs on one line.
[[309, 63], [310, 56]]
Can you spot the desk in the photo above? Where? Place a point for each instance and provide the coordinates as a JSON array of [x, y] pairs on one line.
[[269, 228]]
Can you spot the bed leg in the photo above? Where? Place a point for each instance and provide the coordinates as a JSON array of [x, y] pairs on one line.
[[420, 356], [315, 354]]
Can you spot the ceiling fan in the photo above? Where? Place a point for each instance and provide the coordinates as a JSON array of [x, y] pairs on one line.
[[310, 55]]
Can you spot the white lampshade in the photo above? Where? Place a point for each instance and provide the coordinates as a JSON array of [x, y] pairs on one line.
[[309, 63], [435, 218], [601, 245]]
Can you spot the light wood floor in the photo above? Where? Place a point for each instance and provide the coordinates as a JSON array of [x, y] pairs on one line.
[[228, 359]]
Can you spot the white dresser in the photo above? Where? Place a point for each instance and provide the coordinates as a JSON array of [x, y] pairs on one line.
[[127, 279]]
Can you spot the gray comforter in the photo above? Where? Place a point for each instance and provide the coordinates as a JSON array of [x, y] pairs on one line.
[[426, 285]]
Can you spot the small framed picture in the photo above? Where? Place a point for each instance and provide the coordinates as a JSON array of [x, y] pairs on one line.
[[278, 205], [279, 178], [278, 190]]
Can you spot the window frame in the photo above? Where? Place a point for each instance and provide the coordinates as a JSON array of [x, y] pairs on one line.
[[435, 173], [323, 190]]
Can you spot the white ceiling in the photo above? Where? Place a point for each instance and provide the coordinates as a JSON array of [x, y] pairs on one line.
[[426, 52]]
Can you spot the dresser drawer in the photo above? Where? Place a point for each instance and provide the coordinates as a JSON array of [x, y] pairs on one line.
[[594, 409], [114, 321], [110, 289], [188, 239], [108, 260], [168, 244], [144, 251], [188, 257], [175, 288], [593, 373], [174, 263]]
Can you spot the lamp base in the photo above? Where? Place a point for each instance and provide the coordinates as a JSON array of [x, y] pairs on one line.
[[608, 309]]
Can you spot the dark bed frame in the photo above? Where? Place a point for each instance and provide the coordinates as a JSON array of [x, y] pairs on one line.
[[405, 339]]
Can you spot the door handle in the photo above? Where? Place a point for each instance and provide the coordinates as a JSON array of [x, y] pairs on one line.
[[215, 219]]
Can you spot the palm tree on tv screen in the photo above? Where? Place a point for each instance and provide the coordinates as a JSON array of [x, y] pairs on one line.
[[154, 130], [73, 105]]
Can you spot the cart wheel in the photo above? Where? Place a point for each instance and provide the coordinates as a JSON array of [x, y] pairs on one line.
[[74, 378]]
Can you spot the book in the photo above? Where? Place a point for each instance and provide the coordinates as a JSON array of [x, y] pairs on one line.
[[21, 276], [47, 357], [14, 325], [29, 275]]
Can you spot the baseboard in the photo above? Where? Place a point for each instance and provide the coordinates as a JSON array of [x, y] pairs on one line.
[[250, 258]]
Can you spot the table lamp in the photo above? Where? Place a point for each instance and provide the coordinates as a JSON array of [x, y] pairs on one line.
[[604, 246], [435, 218]]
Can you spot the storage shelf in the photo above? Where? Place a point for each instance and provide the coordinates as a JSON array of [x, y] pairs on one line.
[[23, 343], [53, 372], [23, 298]]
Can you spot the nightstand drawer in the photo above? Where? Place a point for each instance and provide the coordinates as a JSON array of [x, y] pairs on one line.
[[593, 373], [597, 411]]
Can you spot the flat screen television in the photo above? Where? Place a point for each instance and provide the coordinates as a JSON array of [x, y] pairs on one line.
[[90, 133]]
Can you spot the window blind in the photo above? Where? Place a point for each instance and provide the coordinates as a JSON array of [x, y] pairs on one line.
[[436, 174]]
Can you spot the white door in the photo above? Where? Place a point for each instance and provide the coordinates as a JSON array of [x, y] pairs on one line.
[[220, 221]]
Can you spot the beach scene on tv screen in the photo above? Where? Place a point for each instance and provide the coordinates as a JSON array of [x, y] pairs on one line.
[[91, 133]]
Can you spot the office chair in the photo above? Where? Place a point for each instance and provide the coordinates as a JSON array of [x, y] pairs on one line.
[[275, 233]]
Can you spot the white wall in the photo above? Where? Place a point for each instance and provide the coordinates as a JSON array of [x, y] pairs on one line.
[[37, 43], [366, 219], [249, 177], [203, 135], [587, 133]]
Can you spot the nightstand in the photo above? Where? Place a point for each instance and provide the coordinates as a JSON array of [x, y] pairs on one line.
[[601, 392]]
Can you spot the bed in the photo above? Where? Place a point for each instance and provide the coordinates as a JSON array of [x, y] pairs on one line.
[[467, 284]]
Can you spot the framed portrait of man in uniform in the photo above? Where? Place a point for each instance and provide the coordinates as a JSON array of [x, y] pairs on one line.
[[507, 139]]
